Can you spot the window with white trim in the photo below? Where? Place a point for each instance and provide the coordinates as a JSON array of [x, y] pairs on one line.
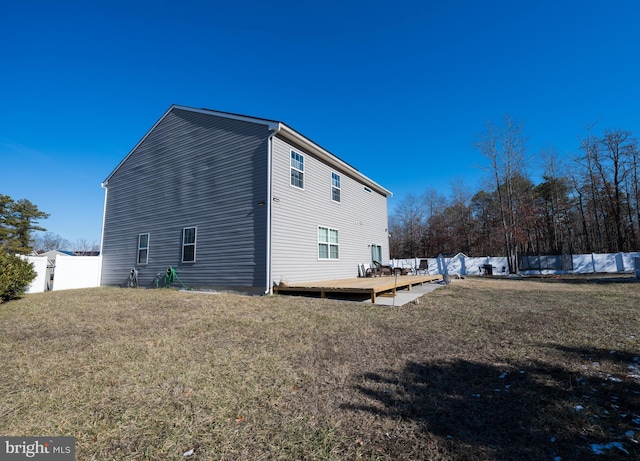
[[189, 245], [328, 243], [335, 187], [143, 248], [297, 170]]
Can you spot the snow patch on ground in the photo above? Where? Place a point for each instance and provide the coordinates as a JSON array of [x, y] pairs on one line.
[[602, 448]]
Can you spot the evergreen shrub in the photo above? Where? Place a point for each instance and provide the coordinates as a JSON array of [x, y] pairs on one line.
[[16, 274]]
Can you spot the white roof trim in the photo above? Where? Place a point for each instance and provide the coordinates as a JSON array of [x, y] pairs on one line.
[[328, 157], [272, 124], [106, 181], [278, 128]]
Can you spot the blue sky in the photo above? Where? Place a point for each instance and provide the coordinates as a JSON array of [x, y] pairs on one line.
[[399, 89]]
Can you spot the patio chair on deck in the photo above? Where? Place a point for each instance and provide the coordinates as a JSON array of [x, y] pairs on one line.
[[410, 270], [365, 270], [423, 269], [401, 270], [381, 269]]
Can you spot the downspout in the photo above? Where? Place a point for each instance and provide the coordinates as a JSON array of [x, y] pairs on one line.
[[104, 216], [275, 129]]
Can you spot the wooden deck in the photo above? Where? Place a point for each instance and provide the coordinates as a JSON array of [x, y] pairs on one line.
[[371, 286]]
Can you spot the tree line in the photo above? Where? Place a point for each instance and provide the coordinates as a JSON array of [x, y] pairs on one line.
[[589, 202], [50, 241]]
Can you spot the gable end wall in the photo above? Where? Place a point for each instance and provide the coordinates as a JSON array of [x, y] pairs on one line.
[[192, 169]]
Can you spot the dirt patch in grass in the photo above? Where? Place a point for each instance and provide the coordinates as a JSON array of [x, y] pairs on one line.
[[482, 369]]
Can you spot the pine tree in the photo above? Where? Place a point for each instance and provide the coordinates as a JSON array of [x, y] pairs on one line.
[[18, 219], [5, 218]]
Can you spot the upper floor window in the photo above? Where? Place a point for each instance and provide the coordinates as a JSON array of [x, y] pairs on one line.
[[189, 244], [297, 170], [143, 248], [335, 187], [327, 243]]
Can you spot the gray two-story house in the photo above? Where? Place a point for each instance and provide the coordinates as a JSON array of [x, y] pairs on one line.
[[240, 203]]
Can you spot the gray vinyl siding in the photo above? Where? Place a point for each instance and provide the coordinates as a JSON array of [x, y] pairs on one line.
[[192, 169], [360, 217]]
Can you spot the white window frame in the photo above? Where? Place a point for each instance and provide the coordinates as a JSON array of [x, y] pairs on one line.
[[141, 248], [297, 168], [329, 244], [193, 244], [335, 186]]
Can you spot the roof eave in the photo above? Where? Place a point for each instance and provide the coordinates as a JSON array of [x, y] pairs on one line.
[[105, 183], [292, 135], [271, 124], [278, 128]]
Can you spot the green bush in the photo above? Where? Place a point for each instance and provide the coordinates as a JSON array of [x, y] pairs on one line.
[[15, 275]]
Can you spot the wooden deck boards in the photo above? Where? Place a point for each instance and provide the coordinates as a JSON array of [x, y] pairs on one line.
[[372, 286]]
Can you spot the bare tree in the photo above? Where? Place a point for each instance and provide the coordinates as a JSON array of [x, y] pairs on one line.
[[433, 203], [462, 218], [50, 241], [553, 194], [408, 223], [82, 246], [589, 187], [618, 145], [504, 147], [634, 180]]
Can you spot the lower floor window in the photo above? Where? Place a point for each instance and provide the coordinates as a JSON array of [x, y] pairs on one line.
[[189, 244], [328, 243], [143, 248]]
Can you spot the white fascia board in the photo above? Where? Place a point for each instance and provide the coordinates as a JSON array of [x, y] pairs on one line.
[[329, 158], [277, 128], [272, 125], [105, 183]]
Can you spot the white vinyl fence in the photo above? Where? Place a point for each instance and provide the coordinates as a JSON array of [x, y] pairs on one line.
[[40, 283], [84, 271], [69, 272], [77, 272], [580, 264]]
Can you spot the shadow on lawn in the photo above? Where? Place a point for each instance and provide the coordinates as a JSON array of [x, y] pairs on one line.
[[516, 411]]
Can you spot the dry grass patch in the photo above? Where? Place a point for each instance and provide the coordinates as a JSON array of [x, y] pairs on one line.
[[482, 369]]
